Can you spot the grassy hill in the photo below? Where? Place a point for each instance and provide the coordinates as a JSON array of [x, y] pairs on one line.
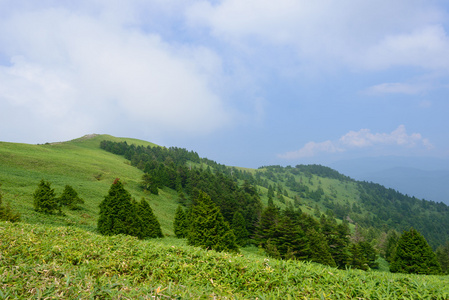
[[63, 257], [83, 165]]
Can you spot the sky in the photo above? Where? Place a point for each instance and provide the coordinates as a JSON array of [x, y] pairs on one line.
[[245, 83]]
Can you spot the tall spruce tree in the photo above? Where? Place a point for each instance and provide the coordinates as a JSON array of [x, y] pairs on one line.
[[180, 225], [117, 212], [70, 198], [45, 198], [442, 254], [319, 251], [414, 255], [238, 225], [208, 229], [150, 226]]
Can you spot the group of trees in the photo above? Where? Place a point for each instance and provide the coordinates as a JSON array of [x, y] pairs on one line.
[[172, 168], [121, 214], [45, 199], [290, 234], [217, 205]]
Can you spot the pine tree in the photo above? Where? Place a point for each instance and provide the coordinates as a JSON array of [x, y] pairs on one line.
[[208, 228], [238, 225], [180, 225], [117, 212], [44, 198], [267, 225], [442, 254], [70, 198], [319, 251], [150, 226], [414, 255]]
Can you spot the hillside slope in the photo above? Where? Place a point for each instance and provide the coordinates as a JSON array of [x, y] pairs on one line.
[[83, 165]]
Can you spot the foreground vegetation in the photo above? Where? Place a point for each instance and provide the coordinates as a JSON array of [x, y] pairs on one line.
[[40, 261]]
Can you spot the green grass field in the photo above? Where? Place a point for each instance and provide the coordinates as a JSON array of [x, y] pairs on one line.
[[83, 165], [45, 262]]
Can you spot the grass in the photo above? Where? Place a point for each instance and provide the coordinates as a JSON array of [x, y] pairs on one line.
[[40, 261], [82, 164]]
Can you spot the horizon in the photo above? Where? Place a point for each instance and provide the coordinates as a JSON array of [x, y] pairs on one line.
[[244, 84]]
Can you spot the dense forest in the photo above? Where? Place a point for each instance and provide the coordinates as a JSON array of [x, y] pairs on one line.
[[280, 227]]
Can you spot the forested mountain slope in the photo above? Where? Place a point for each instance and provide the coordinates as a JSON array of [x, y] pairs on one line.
[[91, 163]]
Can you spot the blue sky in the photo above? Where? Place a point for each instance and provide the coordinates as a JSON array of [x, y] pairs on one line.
[[246, 83]]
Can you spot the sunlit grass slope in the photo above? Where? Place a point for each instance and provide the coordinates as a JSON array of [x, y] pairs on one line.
[[43, 262], [83, 165]]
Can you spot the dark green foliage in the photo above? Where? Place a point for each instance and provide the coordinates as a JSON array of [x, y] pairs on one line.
[[442, 254], [150, 226], [70, 198], [208, 229], [149, 183], [337, 236], [45, 199], [180, 224], [238, 226], [117, 213], [414, 255], [6, 213], [362, 256], [319, 251], [391, 245]]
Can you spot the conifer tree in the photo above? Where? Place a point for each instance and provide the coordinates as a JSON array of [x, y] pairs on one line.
[[117, 212], [319, 249], [267, 225], [442, 254], [414, 255], [150, 226], [180, 225], [208, 228], [238, 225], [70, 198], [45, 198]]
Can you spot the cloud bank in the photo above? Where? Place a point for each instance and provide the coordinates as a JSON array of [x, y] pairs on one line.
[[363, 138], [71, 70]]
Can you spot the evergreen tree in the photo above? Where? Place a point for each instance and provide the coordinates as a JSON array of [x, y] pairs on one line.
[[180, 225], [208, 229], [44, 198], [391, 245], [414, 255], [117, 212], [238, 226], [70, 198], [150, 226], [267, 225], [319, 251], [291, 242], [357, 260], [442, 254]]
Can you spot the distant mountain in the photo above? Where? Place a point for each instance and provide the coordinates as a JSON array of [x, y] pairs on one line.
[[424, 178]]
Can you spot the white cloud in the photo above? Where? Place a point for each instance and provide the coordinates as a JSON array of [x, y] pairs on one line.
[[359, 35], [66, 66], [363, 138], [311, 149], [396, 88]]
